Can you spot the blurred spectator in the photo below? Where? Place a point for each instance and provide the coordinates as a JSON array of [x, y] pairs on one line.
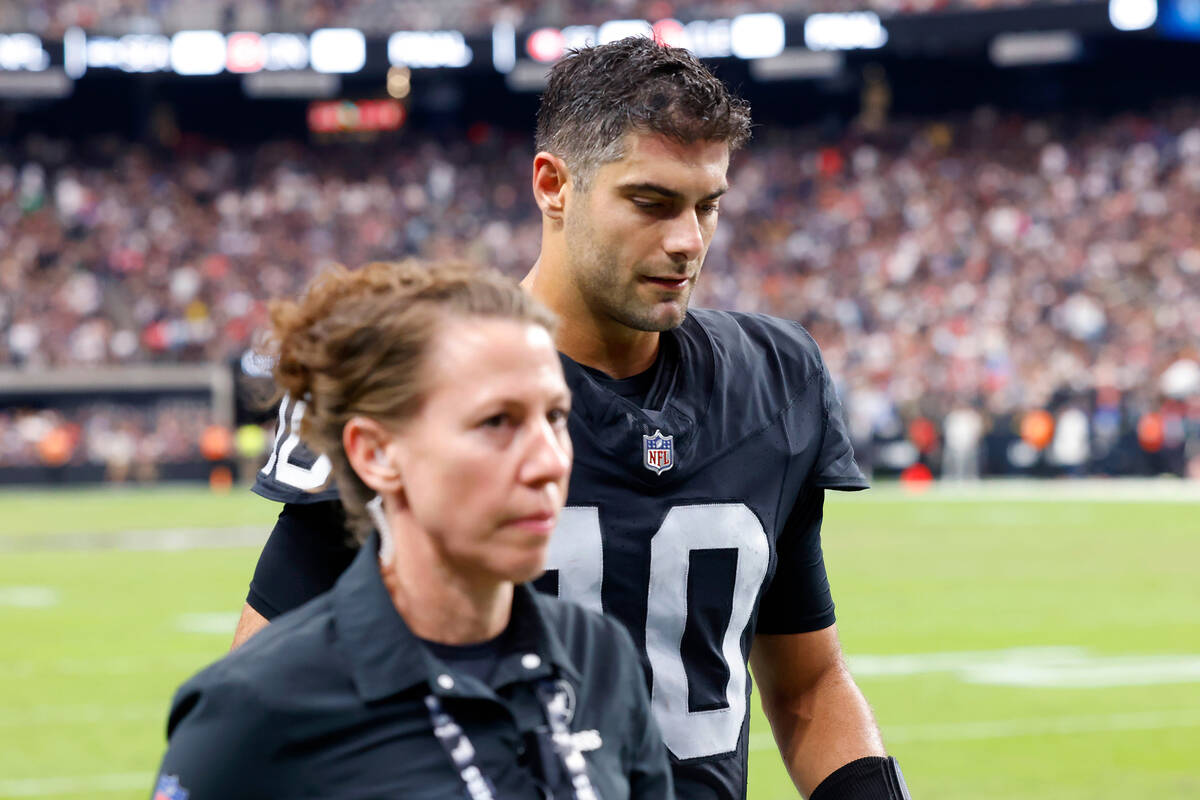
[[964, 432], [125, 439]]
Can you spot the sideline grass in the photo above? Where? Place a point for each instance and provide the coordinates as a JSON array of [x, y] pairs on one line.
[[92, 644]]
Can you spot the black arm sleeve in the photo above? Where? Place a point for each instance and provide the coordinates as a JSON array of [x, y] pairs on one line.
[[307, 551], [798, 599]]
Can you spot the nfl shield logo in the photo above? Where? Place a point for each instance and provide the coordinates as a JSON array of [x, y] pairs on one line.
[[169, 789], [658, 452]]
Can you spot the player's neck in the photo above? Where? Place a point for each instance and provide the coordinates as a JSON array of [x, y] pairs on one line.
[[617, 353], [440, 604], [600, 343]]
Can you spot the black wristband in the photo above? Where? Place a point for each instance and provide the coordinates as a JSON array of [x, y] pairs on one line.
[[870, 778]]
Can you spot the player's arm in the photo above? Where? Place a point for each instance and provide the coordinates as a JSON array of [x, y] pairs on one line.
[[820, 719], [307, 550], [249, 623], [822, 724]]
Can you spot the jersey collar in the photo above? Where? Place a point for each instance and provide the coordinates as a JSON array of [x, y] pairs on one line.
[[676, 404], [386, 658]]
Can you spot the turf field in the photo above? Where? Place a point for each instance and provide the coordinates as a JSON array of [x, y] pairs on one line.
[[1015, 643]]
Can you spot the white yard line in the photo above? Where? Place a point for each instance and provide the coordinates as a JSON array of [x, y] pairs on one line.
[[80, 784]]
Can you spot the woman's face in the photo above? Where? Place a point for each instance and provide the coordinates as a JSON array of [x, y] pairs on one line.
[[485, 462]]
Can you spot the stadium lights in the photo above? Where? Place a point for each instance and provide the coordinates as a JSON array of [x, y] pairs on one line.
[[748, 36], [754, 36], [504, 47], [75, 60], [246, 52], [428, 49], [617, 29], [198, 52], [337, 50], [22, 52], [1132, 15], [857, 30], [129, 53]]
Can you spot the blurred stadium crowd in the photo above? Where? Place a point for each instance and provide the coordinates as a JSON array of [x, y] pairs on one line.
[[52, 17], [1034, 280]]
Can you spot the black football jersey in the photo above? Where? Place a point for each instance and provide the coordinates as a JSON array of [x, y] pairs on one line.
[[694, 518]]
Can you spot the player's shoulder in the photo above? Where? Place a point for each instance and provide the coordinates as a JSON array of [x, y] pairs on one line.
[[760, 346], [294, 474]]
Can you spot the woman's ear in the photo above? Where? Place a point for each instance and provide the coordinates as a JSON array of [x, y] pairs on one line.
[[368, 444]]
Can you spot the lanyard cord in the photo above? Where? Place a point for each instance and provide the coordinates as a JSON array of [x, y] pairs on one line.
[[462, 753], [458, 746], [554, 701]]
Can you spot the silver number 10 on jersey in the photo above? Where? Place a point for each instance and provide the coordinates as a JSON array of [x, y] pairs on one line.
[[312, 472], [576, 551]]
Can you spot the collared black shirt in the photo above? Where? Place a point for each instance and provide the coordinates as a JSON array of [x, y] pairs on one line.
[[329, 702]]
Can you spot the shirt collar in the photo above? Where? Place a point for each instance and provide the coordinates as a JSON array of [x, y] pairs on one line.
[[385, 657]]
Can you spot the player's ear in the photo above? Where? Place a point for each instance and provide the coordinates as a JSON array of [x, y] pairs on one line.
[[550, 180], [368, 444]]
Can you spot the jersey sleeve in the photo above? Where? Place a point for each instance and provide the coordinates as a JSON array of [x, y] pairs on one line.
[[835, 467], [307, 550], [798, 599], [293, 473]]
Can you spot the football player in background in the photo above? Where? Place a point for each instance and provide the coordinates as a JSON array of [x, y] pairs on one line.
[[704, 440]]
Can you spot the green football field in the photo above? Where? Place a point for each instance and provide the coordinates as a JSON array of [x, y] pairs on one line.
[[1015, 643]]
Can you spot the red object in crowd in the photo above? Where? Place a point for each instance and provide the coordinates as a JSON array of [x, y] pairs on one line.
[[1151, 432], [1037, 428], [830, 162], [923, 433], [56, 447], [216, 442], [916, 478]]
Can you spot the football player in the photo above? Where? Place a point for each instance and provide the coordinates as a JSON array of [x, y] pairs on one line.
[[704, 440]]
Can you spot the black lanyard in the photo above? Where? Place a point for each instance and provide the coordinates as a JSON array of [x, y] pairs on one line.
[[458, 746]]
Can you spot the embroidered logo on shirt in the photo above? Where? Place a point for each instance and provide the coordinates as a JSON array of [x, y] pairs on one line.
[[565, 699], [168, 788], [658, 452]]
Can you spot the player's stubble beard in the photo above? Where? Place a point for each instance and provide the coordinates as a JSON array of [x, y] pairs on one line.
[[609, 288]]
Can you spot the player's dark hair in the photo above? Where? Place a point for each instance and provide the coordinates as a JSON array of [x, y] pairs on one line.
[[355, 345], [597, 95]]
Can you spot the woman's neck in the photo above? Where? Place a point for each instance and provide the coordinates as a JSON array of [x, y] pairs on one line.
[[440, 604]]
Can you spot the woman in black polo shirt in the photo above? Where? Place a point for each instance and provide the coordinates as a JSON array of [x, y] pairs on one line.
[[430, 670]]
